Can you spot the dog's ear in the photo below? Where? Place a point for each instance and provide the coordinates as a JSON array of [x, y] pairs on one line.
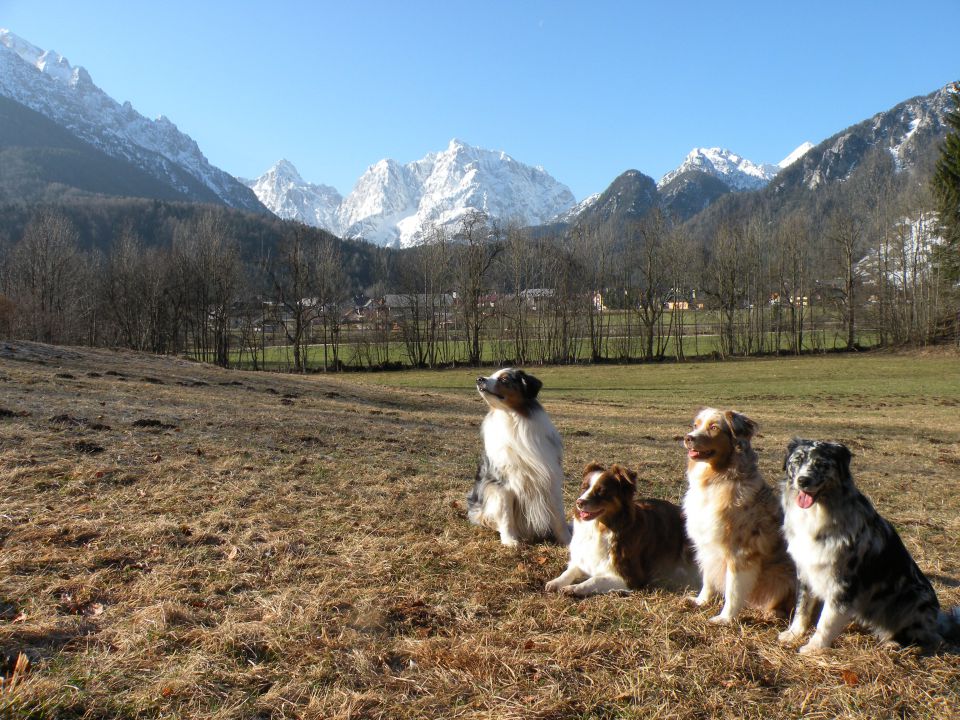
[[844, 456], [741, 427], [626, 478], [791, 446], [592, 468], [531, 385]]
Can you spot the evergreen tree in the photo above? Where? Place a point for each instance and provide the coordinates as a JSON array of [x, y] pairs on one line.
[[946, 188]]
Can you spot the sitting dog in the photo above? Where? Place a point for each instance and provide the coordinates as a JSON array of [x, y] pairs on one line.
[[620, 542], [734, 519], [850, 560], [519, 485]]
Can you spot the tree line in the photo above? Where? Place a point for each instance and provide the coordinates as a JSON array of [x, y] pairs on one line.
[[863, 273], [872, 261]]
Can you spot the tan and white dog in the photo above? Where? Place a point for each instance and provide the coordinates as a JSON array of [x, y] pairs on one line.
[[734, 519], [621, 542], [518, 490]]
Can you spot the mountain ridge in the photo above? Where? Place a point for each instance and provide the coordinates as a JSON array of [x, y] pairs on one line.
[[735, 171], [394, 203], [44, 81]]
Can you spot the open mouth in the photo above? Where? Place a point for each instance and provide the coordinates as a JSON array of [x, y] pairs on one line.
[[805, 499], [700, 454], [585, 515]]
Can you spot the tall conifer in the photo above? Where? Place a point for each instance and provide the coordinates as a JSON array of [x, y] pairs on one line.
[[946, 188]]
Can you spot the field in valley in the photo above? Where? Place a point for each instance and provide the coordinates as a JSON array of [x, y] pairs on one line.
[[182, 541]]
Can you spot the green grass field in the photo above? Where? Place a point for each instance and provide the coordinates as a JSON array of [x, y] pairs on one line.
[[700, 340], [280, 357], [827, 378]]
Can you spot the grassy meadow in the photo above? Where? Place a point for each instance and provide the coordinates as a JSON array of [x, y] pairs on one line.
[[178, 540], [359, 356]]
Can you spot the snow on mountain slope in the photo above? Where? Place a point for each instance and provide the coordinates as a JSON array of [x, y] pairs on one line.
[[392, 204], [798, 153], [571, 215], [289, 196], [909, 253], [907, 131], [44, 81], [736, 171]]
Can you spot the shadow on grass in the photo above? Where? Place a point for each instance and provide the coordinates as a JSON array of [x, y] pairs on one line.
[[8, 610], [41, 644], [944, 580]]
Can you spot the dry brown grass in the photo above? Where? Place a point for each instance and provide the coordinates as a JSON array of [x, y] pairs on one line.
[[274, 546]]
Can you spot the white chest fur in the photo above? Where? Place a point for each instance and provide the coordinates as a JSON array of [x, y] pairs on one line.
[[590, 549], [523, 447], [700, 504], [815, 559]]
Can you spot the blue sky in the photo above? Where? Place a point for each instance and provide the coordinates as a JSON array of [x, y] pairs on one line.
[[585, 89]]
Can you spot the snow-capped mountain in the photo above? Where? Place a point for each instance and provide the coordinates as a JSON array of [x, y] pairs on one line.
[[910, 132], [392, 203], [896, 150], [735, 171], [705, 175], [290, 197], [44, 81]]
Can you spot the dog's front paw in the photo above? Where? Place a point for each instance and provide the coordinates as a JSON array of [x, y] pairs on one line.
[[721, 619], [509, 541], [553, 586], [572, 591], [813, 647], [788, 637], [694, 600]]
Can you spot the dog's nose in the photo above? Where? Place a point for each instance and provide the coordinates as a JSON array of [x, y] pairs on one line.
[[481, 380], [804, 482], [579, 503], [688, 438]]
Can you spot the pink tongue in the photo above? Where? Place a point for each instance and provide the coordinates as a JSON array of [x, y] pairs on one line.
[[804, 500]]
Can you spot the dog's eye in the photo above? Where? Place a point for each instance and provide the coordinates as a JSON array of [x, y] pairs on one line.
[[714, 426]]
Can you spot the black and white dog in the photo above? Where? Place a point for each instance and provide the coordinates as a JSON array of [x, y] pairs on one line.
[[850, 560], [519, 486]]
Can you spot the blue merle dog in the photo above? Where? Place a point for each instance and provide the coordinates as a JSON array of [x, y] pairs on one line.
[[851, 563]]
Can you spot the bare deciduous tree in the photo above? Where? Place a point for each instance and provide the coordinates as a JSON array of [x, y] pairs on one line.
[[294, 283], [332, 291], [48, 275], [477, 246], [207, 263], [845, 233]]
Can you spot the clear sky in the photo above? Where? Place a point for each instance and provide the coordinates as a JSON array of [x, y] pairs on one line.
[[585, 89]]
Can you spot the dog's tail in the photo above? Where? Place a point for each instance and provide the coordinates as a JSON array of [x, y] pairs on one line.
[[949, 625]]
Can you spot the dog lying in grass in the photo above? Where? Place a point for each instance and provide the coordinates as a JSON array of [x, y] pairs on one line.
[[518, 490], [851, 562], [621, 542], [734, 519]]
